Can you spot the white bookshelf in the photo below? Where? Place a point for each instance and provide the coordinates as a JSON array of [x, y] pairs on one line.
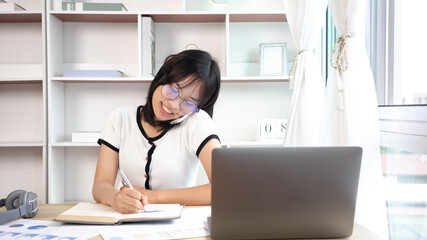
[[23, 102], [102, 80], [21, 144], [242, 79], [112, 41], [234, 6], [233, 144]]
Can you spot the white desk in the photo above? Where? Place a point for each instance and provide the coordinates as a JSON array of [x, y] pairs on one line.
[[49, 211]]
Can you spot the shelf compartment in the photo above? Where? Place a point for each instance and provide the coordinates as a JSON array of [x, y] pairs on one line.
[[71, 172], [244, 41], [93, 45], [84, 107], [30, 5], [172, 38], [22, 113], [23, 168], [23, 37], [21, 72], [246, 104]]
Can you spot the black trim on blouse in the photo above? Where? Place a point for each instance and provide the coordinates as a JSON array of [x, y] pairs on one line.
[[147, 165], [102, 141], [199, 149], [151, 142], [138, 121], [153, 146]]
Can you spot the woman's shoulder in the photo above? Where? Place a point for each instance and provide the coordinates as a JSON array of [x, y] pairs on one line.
[[199, 116], [197, 121]]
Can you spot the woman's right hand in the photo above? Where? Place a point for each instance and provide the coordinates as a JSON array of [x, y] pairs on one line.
[[125, 200], [128, 200]]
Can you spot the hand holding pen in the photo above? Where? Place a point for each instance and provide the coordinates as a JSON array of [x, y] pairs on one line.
[[127, 199], [125, 179]]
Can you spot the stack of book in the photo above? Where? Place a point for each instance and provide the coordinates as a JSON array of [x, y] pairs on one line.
[[5, 6], [90, 6]]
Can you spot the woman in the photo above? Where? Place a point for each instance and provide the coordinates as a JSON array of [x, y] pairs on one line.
[[159, 145]]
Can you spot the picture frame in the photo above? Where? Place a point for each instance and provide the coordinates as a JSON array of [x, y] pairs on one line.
[[272, 59]]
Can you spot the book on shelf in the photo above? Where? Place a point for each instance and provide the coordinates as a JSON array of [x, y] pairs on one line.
[[5, 6], [91, 6], [97, 213], [57, 5], [92, 73], [148, 47], [87, 137]]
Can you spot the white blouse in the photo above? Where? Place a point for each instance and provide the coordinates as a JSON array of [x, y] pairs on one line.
[[170, 160]]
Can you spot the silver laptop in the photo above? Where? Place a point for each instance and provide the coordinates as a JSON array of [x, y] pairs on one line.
[[280, 192]]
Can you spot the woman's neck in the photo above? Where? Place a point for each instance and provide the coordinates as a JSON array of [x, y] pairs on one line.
[[151, 131]]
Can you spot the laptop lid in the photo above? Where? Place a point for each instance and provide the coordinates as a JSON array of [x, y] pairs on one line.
[[281, 192]]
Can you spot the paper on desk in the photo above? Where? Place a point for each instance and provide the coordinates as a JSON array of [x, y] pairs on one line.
[[192, 223], [37, 229]]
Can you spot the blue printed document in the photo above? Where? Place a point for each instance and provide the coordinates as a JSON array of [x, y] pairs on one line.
[[191, 224], [23, 229]]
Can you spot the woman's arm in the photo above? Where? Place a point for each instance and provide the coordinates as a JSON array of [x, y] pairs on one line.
[[199, 195], [125, 200]]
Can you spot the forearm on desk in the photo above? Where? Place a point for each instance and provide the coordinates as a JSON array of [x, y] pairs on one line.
[[199, 195]]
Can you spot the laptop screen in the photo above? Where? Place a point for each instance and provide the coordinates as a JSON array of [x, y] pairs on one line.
[[281, 192]]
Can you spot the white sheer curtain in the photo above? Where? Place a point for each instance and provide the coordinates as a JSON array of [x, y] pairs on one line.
[[352, 114], [305, 19]]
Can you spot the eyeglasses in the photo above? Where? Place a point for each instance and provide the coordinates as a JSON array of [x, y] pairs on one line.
[[170, 92]]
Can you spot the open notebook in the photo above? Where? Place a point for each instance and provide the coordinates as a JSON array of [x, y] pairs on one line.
[[96, 213]]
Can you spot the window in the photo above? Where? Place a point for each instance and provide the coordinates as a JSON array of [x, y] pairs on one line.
[[400, 67], [397, 52], [403, 137]]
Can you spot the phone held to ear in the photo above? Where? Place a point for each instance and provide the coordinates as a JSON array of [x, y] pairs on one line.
[[178, 120]]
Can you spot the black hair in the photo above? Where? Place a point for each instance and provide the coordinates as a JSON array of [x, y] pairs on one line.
[[199, 67]]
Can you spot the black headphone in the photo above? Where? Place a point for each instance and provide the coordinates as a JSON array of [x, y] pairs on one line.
[[19, 203]]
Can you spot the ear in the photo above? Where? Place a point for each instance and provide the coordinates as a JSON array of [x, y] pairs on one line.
[[178, 120]]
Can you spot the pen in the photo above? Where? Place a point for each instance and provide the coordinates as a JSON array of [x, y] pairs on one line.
[[125, 180]]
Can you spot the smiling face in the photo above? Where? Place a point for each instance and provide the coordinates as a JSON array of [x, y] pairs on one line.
[[169, 109], [191, 74]]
